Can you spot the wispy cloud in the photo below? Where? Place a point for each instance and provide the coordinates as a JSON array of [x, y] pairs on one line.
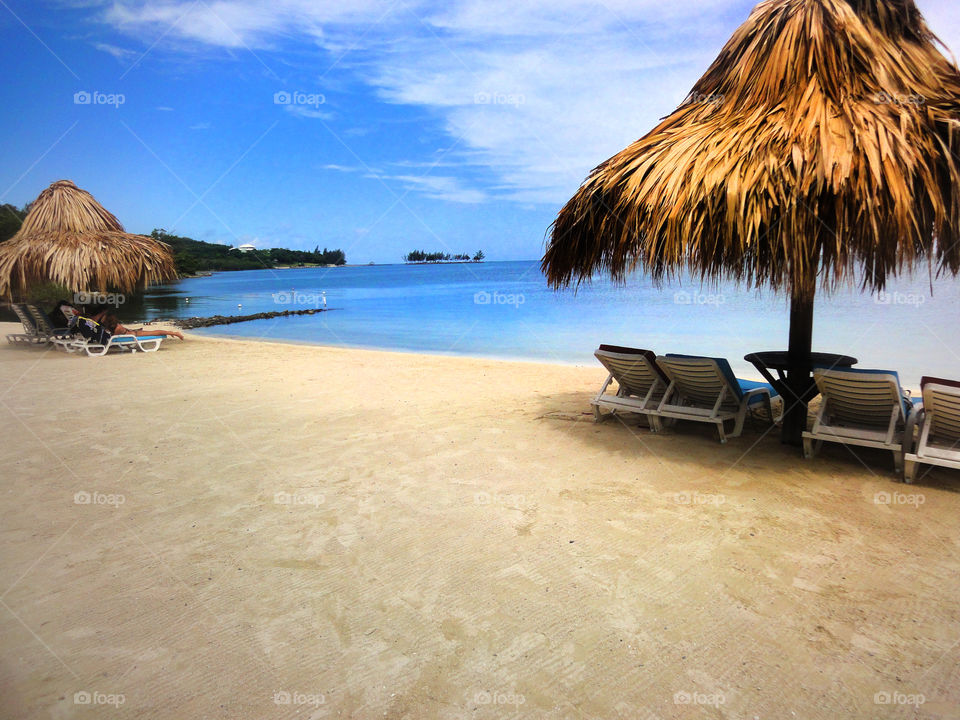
[[538, 92], [305, 111], [118, 52], [435, 187]]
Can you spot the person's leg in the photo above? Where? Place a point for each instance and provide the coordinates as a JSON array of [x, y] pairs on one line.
[[121, 330], [165, 333]]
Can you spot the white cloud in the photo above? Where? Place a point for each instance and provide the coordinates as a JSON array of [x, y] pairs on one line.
[[539, 92], [306, 111], [438, 187], [118, 52]]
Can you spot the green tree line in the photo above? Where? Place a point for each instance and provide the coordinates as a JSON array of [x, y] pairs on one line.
[[192, 256], [11, 217], [420, 256]]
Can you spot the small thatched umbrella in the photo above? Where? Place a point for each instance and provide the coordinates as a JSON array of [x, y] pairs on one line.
[[823, 142], [70, 239]]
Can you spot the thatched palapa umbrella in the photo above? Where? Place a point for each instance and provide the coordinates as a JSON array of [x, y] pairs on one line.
[[821, 147], [70, 239]]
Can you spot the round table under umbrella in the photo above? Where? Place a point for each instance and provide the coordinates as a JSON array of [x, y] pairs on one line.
[[71, 239], [821, 147]]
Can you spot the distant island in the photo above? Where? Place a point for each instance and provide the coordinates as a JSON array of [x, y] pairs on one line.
[[419, 256], [195, 256]]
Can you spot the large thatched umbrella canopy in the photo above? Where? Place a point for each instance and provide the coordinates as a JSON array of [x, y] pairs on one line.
[[822, 145], [70, 239]]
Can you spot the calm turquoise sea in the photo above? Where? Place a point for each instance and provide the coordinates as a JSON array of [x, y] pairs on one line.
[[506, 310]]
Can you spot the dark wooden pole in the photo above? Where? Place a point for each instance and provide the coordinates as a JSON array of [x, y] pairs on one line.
[[801, 366]]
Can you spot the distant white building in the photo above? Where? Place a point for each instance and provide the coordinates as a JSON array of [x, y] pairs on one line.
[[246, 248]]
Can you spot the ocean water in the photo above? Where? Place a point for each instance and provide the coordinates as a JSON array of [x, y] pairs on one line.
[[506, 310]]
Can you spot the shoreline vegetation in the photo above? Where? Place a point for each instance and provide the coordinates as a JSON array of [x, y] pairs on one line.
[[194, 258], [421, 257]]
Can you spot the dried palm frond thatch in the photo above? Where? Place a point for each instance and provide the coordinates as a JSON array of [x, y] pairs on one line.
[[825, 139], [70, 239]]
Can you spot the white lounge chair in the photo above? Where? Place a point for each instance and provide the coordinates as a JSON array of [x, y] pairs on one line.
[[29, 335], [867, 408], [96, 347], [640, 384], [45, 328], [704, 389], [939, 422], [131, 343]]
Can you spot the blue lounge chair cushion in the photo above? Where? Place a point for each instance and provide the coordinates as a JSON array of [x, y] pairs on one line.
[[740, 387], [130, 339], [748, 385]]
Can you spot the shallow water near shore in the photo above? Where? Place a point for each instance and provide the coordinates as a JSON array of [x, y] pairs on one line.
[[506, 310]]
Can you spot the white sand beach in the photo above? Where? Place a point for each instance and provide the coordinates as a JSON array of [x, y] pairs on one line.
[[231, 529]]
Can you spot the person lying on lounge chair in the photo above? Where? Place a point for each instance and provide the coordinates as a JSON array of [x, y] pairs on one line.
[[109, 321], [62, 314]]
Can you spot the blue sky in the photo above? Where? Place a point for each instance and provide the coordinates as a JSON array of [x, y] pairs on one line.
[[373, 126]]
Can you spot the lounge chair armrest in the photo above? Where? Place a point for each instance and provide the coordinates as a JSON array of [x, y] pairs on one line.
[[916, 418], [605, 385], [756, 391]]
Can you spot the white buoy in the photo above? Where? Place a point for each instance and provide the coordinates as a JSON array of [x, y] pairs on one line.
[[323, 298], [239, 306]]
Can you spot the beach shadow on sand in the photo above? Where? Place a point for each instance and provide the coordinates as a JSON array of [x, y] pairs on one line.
[[690, 443]]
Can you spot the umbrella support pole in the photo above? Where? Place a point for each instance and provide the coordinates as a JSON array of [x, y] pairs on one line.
[[801, 369]]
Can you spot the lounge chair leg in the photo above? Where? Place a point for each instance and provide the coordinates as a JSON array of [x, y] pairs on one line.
[[654, 423], [910, 471], [769, 404], [597, 415], [808, 448], [741, 419], [721, 433], [898, 461]]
